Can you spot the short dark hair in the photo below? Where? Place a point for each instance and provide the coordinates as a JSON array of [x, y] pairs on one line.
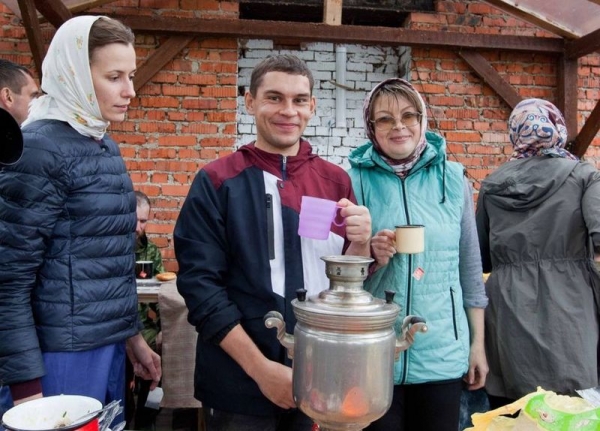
[[279, 63], [105, 31], [141, 198], [13, 76]]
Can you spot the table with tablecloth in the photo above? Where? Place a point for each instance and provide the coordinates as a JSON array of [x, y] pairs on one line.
[[178, 345]]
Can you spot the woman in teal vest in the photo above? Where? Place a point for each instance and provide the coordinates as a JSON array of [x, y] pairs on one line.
[[403, 177]]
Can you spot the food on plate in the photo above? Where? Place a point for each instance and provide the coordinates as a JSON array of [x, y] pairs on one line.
[[64, 421], [166, 276]]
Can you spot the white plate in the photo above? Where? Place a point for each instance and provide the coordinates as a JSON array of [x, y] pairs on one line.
[[147, 282]]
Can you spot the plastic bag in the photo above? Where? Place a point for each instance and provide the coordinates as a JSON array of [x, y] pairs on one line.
[[541, 411]]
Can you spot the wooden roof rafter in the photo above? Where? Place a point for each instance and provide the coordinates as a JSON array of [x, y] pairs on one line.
[[34, 33], [157, 60], [332, 12], [319, 32], [583, 46], [491, 77]]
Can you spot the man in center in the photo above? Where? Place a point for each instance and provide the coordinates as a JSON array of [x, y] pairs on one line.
[[240, 256]]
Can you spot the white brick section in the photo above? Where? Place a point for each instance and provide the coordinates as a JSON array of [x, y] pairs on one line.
[[257, 44], [365, 67]]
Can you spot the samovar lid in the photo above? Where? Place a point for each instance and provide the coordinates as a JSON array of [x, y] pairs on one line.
[[346, 305]]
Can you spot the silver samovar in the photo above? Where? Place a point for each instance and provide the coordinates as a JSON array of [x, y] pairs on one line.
[[343, 348]]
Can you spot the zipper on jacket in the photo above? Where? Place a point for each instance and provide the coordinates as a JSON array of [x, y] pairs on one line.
[[284, 168], [409, 282], [404, 201], [408, 305], [270, 226], [453, 313]]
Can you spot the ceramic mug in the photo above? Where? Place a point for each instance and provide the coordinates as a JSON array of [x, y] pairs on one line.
[[410, 239], [144, 269]]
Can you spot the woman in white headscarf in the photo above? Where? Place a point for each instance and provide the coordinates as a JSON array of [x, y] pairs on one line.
[[68, 302], [538, 224]]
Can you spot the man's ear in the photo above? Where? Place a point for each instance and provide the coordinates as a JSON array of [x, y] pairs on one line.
[[6, 98], [249, 102], [313, 105]]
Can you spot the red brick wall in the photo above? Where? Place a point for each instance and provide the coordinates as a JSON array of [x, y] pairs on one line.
[[469, 113], [185, 116]]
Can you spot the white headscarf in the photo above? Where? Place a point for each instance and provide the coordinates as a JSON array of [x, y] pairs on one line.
[[67, 81]]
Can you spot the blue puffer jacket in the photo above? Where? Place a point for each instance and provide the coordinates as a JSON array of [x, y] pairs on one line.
[[67, 238]]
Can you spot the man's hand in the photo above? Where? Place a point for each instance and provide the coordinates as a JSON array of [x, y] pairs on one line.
[[358, 221], [275, 382], [273, 379], [358, 228], [146, 363]]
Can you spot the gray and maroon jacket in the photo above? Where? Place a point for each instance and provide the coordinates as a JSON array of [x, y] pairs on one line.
[[240, 256]]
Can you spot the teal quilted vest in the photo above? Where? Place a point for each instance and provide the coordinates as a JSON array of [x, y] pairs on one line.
[[426, 284]]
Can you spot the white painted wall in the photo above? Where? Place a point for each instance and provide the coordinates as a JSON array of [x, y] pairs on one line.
[[365, 67]]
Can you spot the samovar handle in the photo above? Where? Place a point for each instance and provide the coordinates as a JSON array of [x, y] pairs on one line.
[[275, 319], [410, 326]]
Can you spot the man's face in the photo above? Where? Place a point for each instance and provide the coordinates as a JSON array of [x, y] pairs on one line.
[[18, 104], [282, 108], [143, 212]]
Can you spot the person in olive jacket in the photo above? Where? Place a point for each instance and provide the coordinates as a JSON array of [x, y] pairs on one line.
[[538, 224]]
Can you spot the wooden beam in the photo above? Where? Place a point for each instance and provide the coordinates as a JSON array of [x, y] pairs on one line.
[[584, 45], [54, 11], [161, 56], [588, 132], [83, 5], [332, 12], [74, 6], [318, 32], [34, 33], [491, 77], [566, 95]]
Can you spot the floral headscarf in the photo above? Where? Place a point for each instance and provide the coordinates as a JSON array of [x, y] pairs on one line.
[[67, 81], [537, 128], [403, 166]]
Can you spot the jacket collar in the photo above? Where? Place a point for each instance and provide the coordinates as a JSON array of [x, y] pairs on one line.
[[272, 162]]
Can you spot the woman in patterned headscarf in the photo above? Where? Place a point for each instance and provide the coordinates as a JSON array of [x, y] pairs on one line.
[[538, 224], [68, 298], [537, 128], [403, 177]]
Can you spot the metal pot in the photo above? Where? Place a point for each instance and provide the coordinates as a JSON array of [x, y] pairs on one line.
[[343, 347]]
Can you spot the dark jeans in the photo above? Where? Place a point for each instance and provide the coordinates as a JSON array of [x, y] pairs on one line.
[[292, 420], [496, 402], [6, 402], [422, 407], [472, 402], [138, 417], [145, 417]]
